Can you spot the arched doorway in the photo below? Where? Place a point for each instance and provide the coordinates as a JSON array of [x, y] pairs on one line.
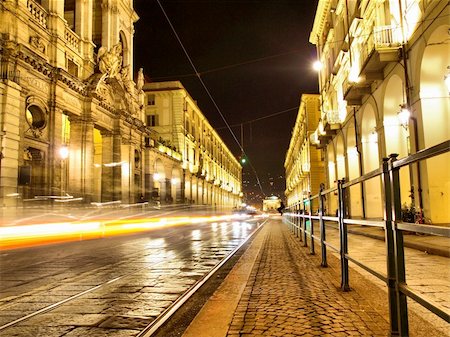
[[435, 111], [159, 179], [371, 161], [332, 200], [176, 182], [354, 170], [397, 131]]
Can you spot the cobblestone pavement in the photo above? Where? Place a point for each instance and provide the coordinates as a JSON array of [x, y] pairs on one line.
[[288, 295]]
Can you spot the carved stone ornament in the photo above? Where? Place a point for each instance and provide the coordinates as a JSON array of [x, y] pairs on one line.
[[27, 154], [110, 62], [36, 42], [10, 48]]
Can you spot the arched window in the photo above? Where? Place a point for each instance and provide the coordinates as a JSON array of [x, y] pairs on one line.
[[36, 117]]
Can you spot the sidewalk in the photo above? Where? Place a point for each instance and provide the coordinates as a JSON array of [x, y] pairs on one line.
[[278, 289], [431, 244]]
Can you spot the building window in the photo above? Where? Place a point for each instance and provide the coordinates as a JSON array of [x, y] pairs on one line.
[[150, 99], [72, 68], [152, 120], [36, 118]]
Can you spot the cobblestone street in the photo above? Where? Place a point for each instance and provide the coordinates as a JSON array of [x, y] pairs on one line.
[[289, 294]]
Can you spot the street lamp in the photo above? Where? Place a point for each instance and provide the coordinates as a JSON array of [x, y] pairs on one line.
[[317, 65], [403, 116]]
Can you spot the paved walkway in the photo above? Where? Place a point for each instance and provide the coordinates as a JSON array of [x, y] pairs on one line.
[[278, 289], [289, 296]]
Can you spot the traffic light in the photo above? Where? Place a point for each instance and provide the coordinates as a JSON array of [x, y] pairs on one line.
[[243, 159]]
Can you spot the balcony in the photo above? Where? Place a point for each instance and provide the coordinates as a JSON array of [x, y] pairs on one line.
[[72, 39], [354, 91], [321, 137], [331, 121], [380, 48], [38, 13]]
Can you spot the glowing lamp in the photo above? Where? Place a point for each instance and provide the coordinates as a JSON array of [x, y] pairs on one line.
[[317, 66], [403, 116], [64, 152]]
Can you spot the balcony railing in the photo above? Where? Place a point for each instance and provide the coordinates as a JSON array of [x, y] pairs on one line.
[[387, 36], [72, 38], [332, 117], [38, 13]]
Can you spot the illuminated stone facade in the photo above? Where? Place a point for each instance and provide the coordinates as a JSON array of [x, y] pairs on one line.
[[377, 58], [71, 117], [304, 164], [210, 173]]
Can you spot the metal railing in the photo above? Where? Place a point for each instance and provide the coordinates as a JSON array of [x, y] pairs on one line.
[[300, 220]]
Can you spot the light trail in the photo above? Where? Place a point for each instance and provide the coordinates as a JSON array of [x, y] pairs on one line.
[[13, 237]]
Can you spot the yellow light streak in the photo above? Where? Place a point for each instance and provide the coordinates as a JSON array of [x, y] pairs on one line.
[[13, 237]]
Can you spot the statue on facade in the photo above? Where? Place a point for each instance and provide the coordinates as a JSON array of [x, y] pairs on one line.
[[140, 79], [110, 62]]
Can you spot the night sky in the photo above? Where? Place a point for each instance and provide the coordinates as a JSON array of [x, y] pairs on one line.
[[255, 59]]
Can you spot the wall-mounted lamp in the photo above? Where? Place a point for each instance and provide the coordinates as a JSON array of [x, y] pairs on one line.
[[158, 177], [403, 116], [64, 152], [447, 79]]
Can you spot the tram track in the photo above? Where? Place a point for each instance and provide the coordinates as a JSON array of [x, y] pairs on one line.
[[165, 315]]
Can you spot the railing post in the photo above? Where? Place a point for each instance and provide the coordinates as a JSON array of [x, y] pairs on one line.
[[305, 236], [343, 237], [294, 219], [322, 229], [390, 251], [400, 274], [311, 227], [300, 219]]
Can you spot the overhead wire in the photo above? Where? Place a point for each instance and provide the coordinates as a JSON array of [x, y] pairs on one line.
[[207, 90], [230, 66], [261, 118]]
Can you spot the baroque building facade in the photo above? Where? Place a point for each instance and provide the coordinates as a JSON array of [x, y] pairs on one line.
[[210, 174], [71, 117], [384, 86], [304, 163]]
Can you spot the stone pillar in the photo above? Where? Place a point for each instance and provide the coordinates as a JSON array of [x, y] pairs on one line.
[[117, 168], [106, 24], [57, 25], [183, 187], [11, 105], [127, 174], [83, 27], [107, 168], [81, 160], [56, 164], [168, 197], [148, 178]]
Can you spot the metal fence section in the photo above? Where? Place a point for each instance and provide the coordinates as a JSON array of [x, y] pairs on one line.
[[299, 219]]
